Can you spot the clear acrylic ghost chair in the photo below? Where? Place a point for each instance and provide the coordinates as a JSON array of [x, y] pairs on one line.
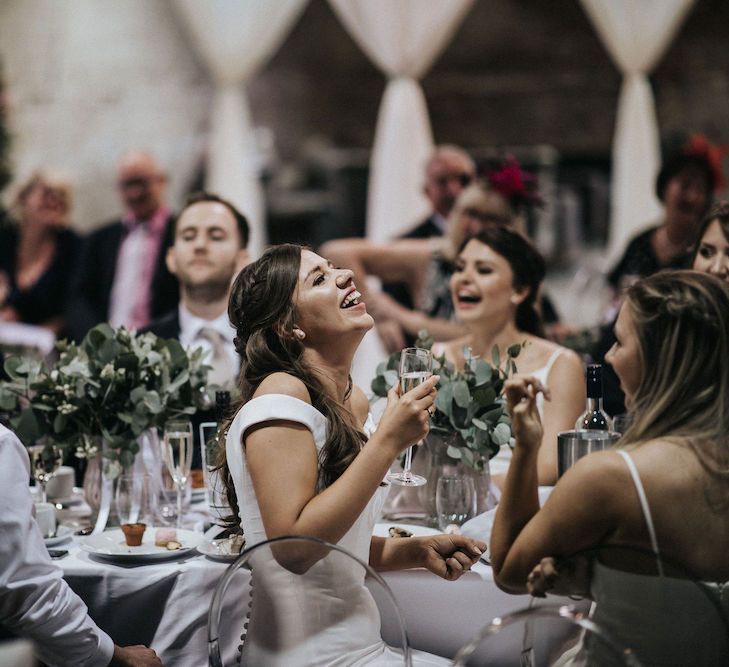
[[540, 636], [653, 609], [290, 596]]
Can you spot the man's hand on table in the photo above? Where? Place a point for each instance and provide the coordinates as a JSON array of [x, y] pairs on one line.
[[134, 656], [450, 556]]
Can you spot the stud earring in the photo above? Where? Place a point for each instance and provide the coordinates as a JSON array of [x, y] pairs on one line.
[[300, 335]]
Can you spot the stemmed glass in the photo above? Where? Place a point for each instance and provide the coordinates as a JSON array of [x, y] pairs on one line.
[[416, 366], [177, 456], [44, 461]]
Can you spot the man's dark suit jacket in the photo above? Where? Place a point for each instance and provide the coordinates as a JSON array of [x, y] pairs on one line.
[[167, 326], [425, 230], [91, 291]]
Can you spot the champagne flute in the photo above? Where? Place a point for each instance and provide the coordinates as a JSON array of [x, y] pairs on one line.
[[44, 461], [177, 456], [416, 366]]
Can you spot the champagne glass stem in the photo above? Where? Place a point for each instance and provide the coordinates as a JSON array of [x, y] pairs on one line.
[[43, 495], [408, 461], [180, 490]]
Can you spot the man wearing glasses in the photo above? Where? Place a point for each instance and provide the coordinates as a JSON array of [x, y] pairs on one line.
[[122, 277]]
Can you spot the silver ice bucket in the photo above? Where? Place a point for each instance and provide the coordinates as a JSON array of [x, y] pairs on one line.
[[573, 445]]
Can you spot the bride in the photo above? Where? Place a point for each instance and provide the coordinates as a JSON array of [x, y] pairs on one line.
[[298, 459]]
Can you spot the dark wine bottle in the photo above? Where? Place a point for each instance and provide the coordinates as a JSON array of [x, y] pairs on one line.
[[594, 418]]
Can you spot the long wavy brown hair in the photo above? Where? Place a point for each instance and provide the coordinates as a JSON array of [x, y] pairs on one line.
[[263, 312], [681, 320]]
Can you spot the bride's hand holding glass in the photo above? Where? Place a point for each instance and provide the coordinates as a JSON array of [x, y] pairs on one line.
[[405, 420]]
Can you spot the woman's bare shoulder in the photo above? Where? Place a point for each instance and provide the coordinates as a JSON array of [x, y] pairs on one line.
[[283, 383], [360, 405]]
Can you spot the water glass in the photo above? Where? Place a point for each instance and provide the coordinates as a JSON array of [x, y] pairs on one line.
[[455, 501], [133, 498]]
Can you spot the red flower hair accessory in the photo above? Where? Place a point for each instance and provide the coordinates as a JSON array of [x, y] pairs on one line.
[[519, 187], [714, 154]]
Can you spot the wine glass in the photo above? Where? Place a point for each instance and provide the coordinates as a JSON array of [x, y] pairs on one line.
[[416, 366], [455, 501], [44, 461], [177, 456], [132, 498]]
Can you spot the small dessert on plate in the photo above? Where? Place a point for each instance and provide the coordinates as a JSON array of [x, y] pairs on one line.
[[394, 531], [167, 538], [133, 533]]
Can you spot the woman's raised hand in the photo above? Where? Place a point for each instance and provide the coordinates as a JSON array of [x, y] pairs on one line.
[[406, 418], [521, 402]]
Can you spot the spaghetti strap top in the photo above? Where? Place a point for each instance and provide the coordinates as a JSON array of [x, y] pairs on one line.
[[542, 374], [644, 506]]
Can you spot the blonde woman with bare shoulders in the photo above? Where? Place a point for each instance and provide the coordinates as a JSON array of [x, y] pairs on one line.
[[495, 284], [664, 489]]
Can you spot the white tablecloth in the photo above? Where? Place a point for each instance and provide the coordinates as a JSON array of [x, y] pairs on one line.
[[165, 605]]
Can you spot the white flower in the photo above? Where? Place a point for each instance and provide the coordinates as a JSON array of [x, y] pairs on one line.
[[67, 408], [54, 375], [107, 371]]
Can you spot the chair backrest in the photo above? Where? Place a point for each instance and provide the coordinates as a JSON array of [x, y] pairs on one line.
[[299, 601], [539, 636]]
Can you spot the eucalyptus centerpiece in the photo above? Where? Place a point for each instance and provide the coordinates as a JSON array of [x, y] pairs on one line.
[[470, 422], [110, 388]]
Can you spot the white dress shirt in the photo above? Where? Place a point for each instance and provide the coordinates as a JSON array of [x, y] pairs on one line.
[[35, 601], [192, 336]]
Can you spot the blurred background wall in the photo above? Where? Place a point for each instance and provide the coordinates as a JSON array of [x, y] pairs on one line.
[[87, 79]]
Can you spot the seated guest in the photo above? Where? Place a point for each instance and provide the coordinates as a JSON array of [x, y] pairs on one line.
[[209, 248], [35, 601], [664, 489], [712, 250], [447, 172], [298, 460], [424, 265], [122, 277], [495, 284], [38, 253], [685, 185]]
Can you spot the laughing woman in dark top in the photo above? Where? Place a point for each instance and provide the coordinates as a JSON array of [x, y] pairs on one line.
[[38, 253]]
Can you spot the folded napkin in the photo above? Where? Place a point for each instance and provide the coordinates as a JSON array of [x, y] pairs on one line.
[[480, 526]]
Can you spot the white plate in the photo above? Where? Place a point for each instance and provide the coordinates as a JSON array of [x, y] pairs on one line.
[[217, 549], [111, 545], [62, 534], [381, 529]]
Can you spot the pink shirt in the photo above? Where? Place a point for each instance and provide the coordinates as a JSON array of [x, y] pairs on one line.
[[131, 293]]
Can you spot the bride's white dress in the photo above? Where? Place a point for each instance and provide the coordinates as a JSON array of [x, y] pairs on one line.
[[327, 616]]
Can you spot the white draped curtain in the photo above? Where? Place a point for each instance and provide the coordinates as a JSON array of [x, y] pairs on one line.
[[403, 38], [235, 38], [636, 33]]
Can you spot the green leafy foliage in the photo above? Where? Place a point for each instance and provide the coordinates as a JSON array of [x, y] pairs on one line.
[[113, 385], [469, 401]]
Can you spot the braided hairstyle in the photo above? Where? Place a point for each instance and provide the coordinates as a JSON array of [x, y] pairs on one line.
[[262, 310], [527, 266], [681, 321]]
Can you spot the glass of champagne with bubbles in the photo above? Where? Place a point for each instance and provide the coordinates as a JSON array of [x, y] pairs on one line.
[[177, 456], [44, 461], [416, 366]]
